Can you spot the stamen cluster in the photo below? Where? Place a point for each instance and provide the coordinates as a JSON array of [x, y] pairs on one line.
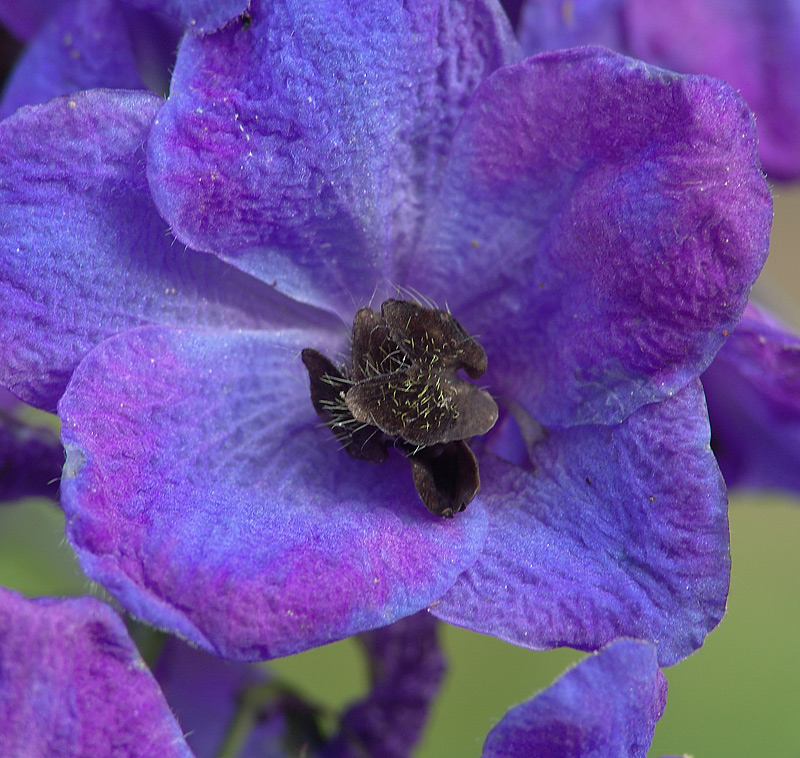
[[402, 387]]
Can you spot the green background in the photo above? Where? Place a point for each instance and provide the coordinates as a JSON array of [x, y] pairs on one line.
[[737, 696]]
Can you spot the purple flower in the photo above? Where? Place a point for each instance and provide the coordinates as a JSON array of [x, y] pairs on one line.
[[72, 684], [598, 223], [605, 707], [754, 45], [753, 391], [406, 668], [31, 456]]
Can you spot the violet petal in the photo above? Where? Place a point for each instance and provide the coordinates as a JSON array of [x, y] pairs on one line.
[[753, 391], [25, 17], [316, 135], [754, 45], [83, 252], [201, 491], [617, 531], [605, 707], [72, 684], [85, 44], [631, 218]]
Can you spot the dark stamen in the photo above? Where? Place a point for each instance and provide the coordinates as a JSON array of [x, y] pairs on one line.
[[402, 386]]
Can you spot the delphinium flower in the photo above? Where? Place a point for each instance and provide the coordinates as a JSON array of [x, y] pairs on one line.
[[72, 683], [31, 455], [595, 222], [605, 707], [754, 45]]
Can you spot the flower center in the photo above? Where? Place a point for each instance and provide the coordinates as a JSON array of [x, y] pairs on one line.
[[402, 388]]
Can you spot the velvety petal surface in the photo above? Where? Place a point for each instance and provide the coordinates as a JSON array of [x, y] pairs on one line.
[[753, 391], [305, 144], [31, 456], [83, 252], [605, 707], [85, 44], [406, 669], [600, 225], [202, 492], [754, 45], [72, 684], [198, 15], [615, 532]]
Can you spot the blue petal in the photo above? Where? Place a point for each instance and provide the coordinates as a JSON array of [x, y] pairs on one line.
[[200, 16], [605, 707], [83, 252], [600, 225], [305, 145], [202, 492], [85, 44], [617, 531], [753, 389]]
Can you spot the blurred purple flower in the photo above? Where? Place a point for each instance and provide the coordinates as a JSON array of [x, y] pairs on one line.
[[753, 393], [754, 45], [406, 668], [214, 699], [597, 222], [73, 684], [31, 456], [82, 44], [605, 707]]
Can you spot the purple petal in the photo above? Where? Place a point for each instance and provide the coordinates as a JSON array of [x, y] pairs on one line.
[[617, 532], [605, 707], [753, 390], [406, 669], [315, 134], [31, 457], [25, 17], [612, 218], [754, 45], [201, 491], [83, 252], [84, 45], [199, 15], [751, 44], [72, 684]]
